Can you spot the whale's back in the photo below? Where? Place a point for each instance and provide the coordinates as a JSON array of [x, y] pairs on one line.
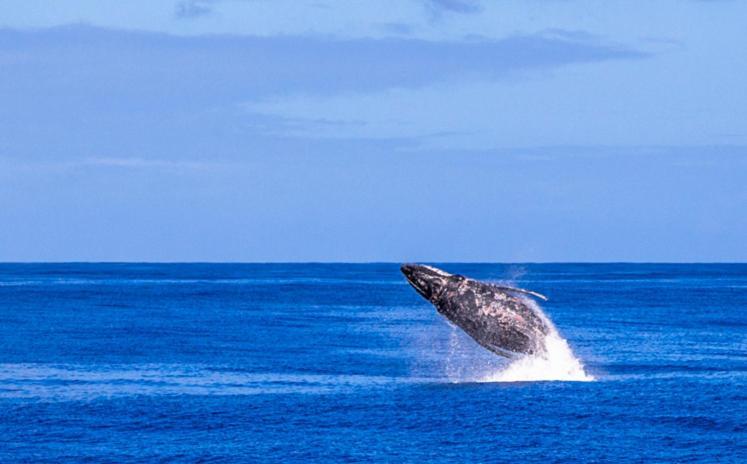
[[498, 318]]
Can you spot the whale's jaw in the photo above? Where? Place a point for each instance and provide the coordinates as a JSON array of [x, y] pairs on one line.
[[428, 281]]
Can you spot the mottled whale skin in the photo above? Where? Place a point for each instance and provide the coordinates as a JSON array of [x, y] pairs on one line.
[[501, 319]]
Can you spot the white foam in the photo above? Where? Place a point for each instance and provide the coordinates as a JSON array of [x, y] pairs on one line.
[[465, 361], [557, 364], [73, 382]]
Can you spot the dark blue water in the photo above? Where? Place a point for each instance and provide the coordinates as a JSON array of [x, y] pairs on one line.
[[345, 363]]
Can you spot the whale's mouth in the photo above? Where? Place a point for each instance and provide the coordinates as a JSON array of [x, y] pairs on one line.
[[426, 280], [420, 291], [409, 275]]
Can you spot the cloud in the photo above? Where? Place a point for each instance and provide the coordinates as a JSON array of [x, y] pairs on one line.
[[397, 28], [216, 69], [188, 9], [143, 163], [454, 6], [152, 93], [123, 163]]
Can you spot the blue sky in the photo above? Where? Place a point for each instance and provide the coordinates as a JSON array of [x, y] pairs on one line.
[[431, 130]]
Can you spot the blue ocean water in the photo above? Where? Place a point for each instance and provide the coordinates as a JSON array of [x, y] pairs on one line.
[[346, 363]]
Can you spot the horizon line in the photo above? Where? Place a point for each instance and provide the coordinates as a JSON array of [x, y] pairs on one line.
[[371, 262]]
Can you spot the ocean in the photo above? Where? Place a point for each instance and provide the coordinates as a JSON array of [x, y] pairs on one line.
[[346, 363]]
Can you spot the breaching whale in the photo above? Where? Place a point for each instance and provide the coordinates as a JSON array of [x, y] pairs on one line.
[[501, 319]]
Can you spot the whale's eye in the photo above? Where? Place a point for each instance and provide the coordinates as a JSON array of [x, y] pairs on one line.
[[459, 277]]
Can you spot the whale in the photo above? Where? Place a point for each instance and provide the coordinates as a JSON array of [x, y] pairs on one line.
[[502, 319]]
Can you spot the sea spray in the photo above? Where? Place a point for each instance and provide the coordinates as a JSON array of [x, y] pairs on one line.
[[558, 363], [464, 362]]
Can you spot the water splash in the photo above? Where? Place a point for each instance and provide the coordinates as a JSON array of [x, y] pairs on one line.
[[464, 361], [557, 364]]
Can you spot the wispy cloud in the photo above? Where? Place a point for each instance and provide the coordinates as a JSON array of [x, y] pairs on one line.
[[152, 92], [397, 28], [454, 6], [124, 163], [145, 163], [246, 66], [187, 9]]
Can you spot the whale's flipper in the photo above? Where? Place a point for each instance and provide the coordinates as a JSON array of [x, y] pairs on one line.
[[521, 290]]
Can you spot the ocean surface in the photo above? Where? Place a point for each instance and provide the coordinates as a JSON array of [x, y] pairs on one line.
[[346, 363]]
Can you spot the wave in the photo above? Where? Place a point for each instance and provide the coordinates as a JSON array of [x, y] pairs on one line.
[[189, 281], [85, 382]]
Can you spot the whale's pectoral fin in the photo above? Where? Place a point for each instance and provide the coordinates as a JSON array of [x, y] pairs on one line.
[[521, 290]]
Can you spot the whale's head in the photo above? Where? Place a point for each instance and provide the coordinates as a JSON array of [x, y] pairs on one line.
[[428, 281]]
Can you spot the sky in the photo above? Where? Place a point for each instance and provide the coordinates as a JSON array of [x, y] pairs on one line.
[[373, 130]]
